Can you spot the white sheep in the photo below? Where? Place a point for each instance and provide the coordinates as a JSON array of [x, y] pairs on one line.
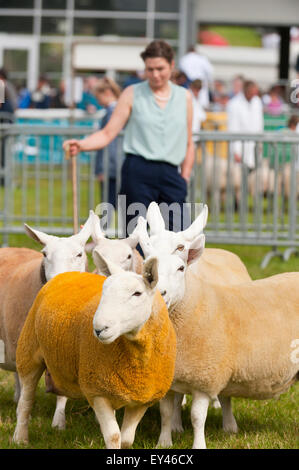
[[108, 340], [23, 272], [261, 181], [218, 175], [232, 341], [215, 265]]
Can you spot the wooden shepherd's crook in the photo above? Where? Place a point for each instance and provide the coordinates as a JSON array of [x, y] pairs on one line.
[[74, 186]]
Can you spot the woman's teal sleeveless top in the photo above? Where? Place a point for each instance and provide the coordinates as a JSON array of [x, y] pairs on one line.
[[155, 133]]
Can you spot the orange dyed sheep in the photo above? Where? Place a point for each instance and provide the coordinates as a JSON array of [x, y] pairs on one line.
[[108, 340]]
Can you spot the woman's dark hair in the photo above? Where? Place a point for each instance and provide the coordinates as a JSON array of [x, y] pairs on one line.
[[158, 49]]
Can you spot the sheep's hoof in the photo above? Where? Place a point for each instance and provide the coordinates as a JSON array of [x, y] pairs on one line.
[[20, 437], [59, 423], [164, 443], [231, 427]]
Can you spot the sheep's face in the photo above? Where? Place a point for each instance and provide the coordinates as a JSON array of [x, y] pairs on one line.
[[171, 266], [126, 302], [171, 284], [167, 242], [172, 272], [170, 243], [62, 254], [118, 251]]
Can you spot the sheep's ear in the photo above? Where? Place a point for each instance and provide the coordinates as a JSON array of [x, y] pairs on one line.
[[150, 273], [196, 249], [105, 267], [85, 232], [133, 239], [155, 219], [40, 237], [143, 238], [197, 226], [96, 233]]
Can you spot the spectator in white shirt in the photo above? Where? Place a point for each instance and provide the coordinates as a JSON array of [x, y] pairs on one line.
[[237, 85], [199, 114], [196, 66], [245, 115]]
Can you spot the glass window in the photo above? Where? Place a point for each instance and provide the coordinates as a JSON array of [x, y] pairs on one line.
[[168, 6], [16, 24], [55, 26], [99, 27], [16, 4], [166, 29], [51, 57], [54, 4], [111, 5], [15, 60]]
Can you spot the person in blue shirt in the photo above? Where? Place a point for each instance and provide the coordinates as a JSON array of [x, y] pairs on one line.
[[89, 102], [107, 92]]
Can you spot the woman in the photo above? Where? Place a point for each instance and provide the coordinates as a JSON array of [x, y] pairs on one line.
[[158, 136], [107, 93]]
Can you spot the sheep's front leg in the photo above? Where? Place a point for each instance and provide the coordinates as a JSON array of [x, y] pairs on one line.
[[59, 415], [177, 425], [108, 424], [166, 411], [229, 423], [28, 387], [199, 410], [132, 417]]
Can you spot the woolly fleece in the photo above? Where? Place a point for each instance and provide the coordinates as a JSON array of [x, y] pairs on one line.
[[59, 333], [20, 282], [236, 340]]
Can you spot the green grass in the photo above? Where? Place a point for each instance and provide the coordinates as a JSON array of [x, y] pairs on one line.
[[269, 424], [264, 424], [238, 35]]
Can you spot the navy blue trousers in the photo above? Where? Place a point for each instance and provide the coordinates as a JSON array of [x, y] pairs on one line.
[[144, 181]]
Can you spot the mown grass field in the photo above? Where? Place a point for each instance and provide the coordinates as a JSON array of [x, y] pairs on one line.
[[264, 425], [269, 424]]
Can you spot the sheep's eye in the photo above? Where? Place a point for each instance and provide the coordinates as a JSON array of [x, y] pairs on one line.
[[137, 294], [129, 256], [79, 255], [44, 254], [180, 247], [181, 268]]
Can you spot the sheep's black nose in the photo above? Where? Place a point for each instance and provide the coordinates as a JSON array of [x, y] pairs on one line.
[[163, 293], [99, 332]]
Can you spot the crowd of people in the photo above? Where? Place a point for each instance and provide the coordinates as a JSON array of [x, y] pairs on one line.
[[194, 72], [242, 101]]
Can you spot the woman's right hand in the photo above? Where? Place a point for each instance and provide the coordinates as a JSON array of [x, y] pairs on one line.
[[73, 146]]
